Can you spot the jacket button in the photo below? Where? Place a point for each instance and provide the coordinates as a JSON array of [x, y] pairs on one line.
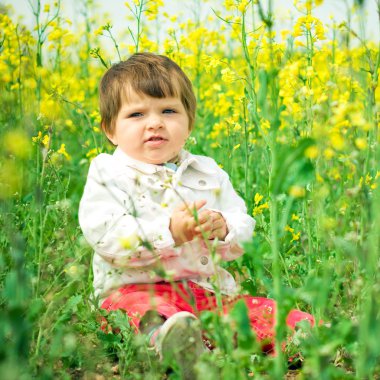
[[202, 182], [204, 260]]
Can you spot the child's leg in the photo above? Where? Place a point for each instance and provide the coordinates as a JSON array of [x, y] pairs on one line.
[[163, 313], [261, 312], [262, 315], [139, 299]]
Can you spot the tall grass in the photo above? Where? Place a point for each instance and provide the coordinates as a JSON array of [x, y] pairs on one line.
[[292, 117]]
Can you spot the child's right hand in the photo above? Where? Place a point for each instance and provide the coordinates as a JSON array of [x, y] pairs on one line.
[[183, 223]]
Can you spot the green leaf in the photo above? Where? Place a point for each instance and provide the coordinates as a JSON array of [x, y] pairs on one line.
[[293, 167], [239, 314]]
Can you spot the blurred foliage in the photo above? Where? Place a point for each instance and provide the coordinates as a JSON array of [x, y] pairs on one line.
[[292, 116]]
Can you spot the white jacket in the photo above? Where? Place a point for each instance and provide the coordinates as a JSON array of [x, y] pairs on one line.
[[125, 214]]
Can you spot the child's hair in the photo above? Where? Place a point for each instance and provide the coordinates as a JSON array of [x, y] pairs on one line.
[[145, 73]]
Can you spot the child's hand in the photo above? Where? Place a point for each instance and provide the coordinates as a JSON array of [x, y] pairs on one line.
[[208, 224], [212, 225], [183, 223]]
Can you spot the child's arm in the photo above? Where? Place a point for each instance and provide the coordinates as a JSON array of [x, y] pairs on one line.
[[112, 226], [233, 209], [235, 226], [224, 218]]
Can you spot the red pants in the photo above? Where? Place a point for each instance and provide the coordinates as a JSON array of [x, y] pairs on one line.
[[170, 298]]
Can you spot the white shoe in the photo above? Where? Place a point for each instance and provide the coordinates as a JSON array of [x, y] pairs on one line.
[[180, 339]]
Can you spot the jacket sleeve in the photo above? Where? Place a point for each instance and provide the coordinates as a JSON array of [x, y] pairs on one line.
[[240, 225], [110, 224]]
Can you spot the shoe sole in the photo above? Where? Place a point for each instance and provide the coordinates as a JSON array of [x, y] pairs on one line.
[[182, 341]]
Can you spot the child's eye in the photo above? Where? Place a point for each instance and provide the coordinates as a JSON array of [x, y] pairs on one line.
[[135, 114], [168, 110]]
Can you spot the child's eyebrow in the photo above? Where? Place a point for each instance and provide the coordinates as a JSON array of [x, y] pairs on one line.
[[174, 101]]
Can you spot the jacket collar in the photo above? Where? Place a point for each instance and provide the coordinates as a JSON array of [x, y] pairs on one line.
[[187, 159]]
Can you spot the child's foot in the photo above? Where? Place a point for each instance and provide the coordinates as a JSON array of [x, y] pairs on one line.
[[180, 339]]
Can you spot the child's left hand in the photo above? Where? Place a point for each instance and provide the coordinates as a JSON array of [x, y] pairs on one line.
[[212, 224]]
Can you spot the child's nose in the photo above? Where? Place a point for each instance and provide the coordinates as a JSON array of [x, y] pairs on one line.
[[155, 122]]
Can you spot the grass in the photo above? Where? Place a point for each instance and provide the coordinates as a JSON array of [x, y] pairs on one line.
[[293, 120]]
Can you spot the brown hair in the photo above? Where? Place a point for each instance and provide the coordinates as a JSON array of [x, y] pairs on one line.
[[145, 73]]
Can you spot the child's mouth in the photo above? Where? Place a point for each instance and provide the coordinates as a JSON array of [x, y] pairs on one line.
[[155, 141], [155, 138]]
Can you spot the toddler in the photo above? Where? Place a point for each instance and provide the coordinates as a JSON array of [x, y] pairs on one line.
[[160, 218]]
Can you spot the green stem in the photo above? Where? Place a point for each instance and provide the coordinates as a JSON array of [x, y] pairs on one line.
[[246, 153], [276, 273], [114, 43], [368, 309], [19, 80], [247, 57]]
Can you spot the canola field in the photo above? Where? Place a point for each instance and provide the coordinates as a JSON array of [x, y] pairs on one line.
[[292, 114]]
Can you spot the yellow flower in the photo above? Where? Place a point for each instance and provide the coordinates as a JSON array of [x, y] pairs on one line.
[[62, 150], [361, 143], [152, 9], [288, 228], [95, 115], [295, 236], [92, 153], [311, 152], [72, 271], [48, 107], [243, 6], [228, 75], [229, 4], [309, 24], [15, 86], [130, 242], [299, 43], [258, 198], [328, 153], [265, 125], [237, 127], [45, 141], [310, 72], [285, 33], [335, 174], [295, 217], [99, 31], [17, 143], [37, 138], [257, 210], [328, 223], [343, 208], [215, 145], [70, 125], [337, 141], [320, 32], [297, 191]]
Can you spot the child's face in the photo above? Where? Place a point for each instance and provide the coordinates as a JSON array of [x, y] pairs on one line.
[[152, 130]]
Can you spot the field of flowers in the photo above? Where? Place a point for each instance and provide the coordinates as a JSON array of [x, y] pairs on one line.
[[291, 115]]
